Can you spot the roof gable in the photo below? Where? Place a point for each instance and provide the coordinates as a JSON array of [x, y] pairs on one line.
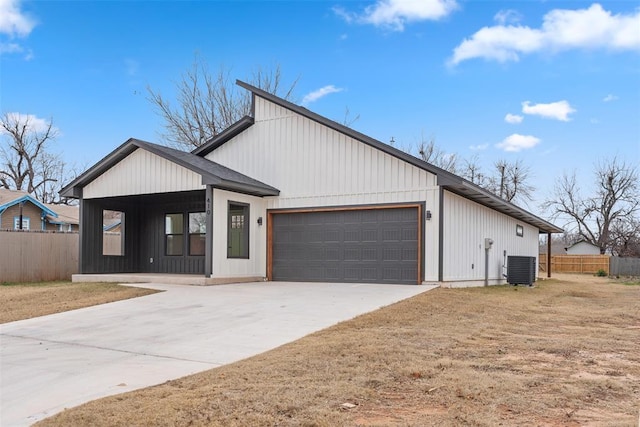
[[445, 179], [10, 198], [212, 173]]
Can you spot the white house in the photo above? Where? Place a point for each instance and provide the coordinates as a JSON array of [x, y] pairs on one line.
[[583, 248], [286, 194]]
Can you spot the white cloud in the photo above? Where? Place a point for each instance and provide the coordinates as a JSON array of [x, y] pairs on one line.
[[13, 21], [394, 14], [609, 98], [34, 124], [479, 147], [508, 16], [554, 110], [517, 142], [132, 67], [513, 118], [561, 29], [319, 93]]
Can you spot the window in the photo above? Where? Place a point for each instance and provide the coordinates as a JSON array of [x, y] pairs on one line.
[[519, 231], [112, 233], [25, 223], [238, 231], [174, 234], [197, 232]]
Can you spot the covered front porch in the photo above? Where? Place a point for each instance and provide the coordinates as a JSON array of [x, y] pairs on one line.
[[149, 211], [147, 233]]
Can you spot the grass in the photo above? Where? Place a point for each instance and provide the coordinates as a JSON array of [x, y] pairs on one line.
[[559, 354], [26, 300]]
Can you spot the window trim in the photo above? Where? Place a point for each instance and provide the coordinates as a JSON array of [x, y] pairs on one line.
[[519, 230], [189, 233], [122, 233], [166, 235], [246, 212], [25, 220]]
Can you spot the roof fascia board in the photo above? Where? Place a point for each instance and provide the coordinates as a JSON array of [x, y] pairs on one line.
[[246, 189], [347, 131], [445, 178], [28, 198], [514, 211], [224, 136], [72, 190]]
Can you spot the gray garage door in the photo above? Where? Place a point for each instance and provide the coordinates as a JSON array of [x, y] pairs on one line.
[[366, 246]]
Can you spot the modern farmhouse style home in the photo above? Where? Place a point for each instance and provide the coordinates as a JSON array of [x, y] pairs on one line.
[[286, 194]]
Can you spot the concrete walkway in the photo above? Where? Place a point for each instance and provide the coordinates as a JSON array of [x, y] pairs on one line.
[[59, 361]]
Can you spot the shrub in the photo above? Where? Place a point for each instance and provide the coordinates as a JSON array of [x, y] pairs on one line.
[[601, 273]]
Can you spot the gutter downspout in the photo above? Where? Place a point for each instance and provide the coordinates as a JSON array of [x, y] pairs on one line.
[[486, 266]]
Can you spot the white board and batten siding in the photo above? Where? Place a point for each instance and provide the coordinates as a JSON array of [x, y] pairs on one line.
[[256, 265], [313, 166], [142, 172], [466, 225]]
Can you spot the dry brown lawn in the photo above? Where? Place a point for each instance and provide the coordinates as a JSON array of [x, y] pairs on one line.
[[564, 353], [26, 300]]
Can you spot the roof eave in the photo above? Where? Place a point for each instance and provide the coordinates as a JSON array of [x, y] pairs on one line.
[[445, 178], [28, 198], [224, 136], [74, 188], [473, 192]]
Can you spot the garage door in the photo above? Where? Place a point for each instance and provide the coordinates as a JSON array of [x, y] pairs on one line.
[[366, 246]]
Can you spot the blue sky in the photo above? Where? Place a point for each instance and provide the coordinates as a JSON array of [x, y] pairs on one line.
[[556, 84]]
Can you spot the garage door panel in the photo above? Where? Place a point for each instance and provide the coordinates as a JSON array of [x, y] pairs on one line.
[[368, 246]]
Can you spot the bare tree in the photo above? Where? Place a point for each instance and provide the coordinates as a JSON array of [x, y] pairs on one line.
[[472, 171], [207, 104], [25, 162], [510, 181], [625, 237], [431, 153], [348, 119], [617, 198]]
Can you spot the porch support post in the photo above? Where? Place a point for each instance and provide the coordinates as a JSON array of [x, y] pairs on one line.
[[80, 233], [208, 241], [548, 254]]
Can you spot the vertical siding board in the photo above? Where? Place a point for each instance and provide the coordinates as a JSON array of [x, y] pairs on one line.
[[142, 173], [467, 224], [312, 164]]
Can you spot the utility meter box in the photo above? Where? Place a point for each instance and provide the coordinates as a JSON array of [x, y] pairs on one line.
[[488, 243]]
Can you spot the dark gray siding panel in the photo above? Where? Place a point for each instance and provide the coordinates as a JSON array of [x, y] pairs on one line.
[[363, 246], [144, 234]]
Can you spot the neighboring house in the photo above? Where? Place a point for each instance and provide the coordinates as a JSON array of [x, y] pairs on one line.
[[68, 218], [290, 195], [557, 248], [35, 214], [583, 248]]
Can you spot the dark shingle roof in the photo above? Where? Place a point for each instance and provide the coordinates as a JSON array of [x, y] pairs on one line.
[[212, 173]]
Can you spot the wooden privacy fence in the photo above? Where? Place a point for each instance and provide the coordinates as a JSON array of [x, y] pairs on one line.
[[30, 256], [575, 263]]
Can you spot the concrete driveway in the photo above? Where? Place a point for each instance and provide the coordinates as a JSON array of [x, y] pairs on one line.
[[62, 360]]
